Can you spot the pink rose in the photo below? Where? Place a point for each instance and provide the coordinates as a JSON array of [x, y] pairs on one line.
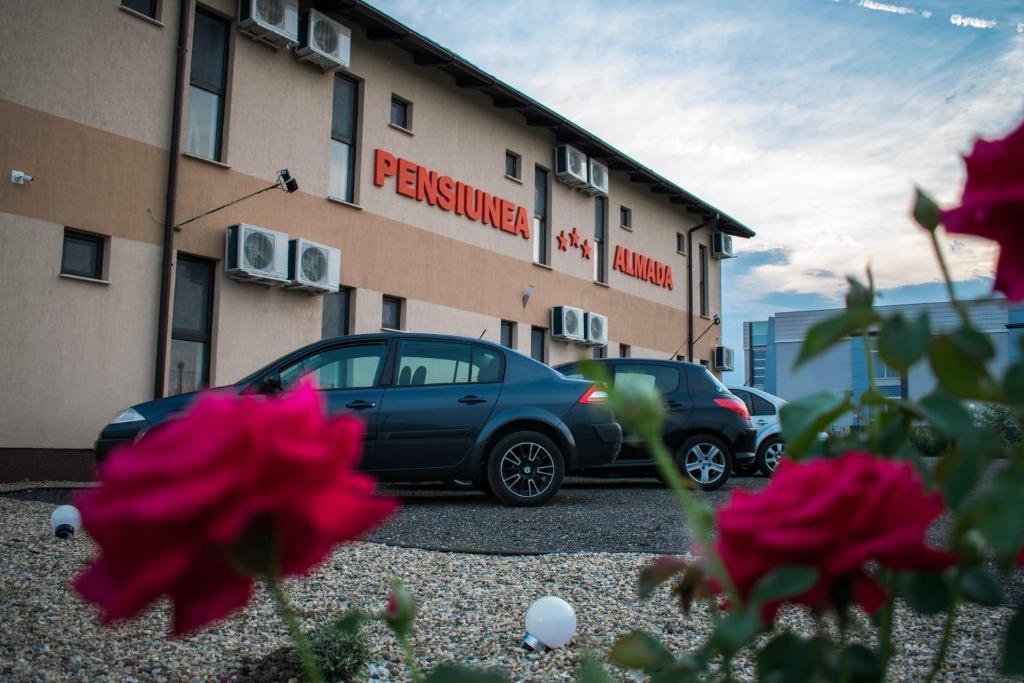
[[173, 507], [992, 206], [834, 515]]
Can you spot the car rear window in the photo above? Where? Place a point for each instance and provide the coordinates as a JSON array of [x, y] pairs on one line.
[[709, 381]]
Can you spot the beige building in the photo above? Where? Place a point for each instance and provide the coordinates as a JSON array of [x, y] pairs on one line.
[[438, 185]]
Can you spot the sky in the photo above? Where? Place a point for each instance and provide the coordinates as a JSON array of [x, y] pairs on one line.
[[811, 121]]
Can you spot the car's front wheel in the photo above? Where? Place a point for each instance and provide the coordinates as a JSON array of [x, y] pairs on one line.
[[706, 460], [768, 455], [525, 469]]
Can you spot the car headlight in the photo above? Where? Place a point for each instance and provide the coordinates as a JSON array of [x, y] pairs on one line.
[[127, 415]]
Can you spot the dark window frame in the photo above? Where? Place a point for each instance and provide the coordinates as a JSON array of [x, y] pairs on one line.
[[542, 215], [185, 335], [345, 295], [681, 243], [134, 6], [542, 333], [510, 326], [219, 90], [601, 240], [406, 108], [99, 242], [517, 165], [399, 306], [625, 218], [625, 350], [600, 352], [704, 299], [351, 141]]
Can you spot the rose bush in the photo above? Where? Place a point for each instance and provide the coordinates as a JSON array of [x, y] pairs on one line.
[[238, 486], [834, 515]]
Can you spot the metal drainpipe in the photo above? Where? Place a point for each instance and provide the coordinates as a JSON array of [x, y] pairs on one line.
[[167, 264], [689, 282]]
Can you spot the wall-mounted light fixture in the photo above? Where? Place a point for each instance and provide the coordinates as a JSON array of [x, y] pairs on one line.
[[527, 294]]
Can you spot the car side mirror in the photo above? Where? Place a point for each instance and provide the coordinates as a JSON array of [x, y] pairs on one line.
[[271, 384]]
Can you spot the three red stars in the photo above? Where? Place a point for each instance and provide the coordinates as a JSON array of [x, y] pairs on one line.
[[563, 241]]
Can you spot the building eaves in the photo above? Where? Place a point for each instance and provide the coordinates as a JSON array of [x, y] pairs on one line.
[[425, 52]]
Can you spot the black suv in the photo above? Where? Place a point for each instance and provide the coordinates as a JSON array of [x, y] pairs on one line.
[[707, 429]]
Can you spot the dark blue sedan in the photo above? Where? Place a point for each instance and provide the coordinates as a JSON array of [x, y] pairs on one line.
[[437, 408]]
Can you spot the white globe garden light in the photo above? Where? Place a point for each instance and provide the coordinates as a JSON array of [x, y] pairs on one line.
[[550, 622], [65, 521]]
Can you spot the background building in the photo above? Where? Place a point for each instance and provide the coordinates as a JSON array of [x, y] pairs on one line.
[[437, 184], [843, 368]]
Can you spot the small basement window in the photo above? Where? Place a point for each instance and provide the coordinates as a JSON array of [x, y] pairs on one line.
[[681, 243], [391, 313], [147, 8], [401, 112], [626, 217], [513, 165], [82, 255]]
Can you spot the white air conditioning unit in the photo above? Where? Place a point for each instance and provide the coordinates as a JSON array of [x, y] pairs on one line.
[[597, 183], [571, 166], [255, 254], [313, 267], [596, 326], [567, 323], [721, 358], [275, 22], [324, 41], [721, 245]]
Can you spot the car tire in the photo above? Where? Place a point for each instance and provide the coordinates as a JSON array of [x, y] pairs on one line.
[[768, 455], [525, 469], [701, 457]]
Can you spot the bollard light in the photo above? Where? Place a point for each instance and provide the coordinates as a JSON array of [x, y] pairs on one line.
[[550, 622], [65, 521]]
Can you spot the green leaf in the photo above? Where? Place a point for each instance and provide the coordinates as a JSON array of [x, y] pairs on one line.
[[979, 586], [895, 429], [902, 343], [1013, 383], [591, 671], [925, 592], [456, 673], [782, 583], [823, 335], [1012, 663], [659, 571], [960, 474], [958, 372], [787, 658], [351, 621], [684, 670], [865, 667], [947, 414], [975, 344], [925, 211], [640, 650], [806, 417], [735, 630]]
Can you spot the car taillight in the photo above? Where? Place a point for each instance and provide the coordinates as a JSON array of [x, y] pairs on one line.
[[594, 395], [735, 405]]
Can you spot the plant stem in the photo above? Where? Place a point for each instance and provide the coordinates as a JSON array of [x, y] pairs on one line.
[[410, 656], [947, 635], [299, 639], [885, 627], [949, 280]]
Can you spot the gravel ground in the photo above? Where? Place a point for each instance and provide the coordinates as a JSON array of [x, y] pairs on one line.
[[471, 609]]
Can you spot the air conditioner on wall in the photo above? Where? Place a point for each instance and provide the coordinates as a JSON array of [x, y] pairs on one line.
[[571, 166], [324, 41], [596, 326], [721, 358], [275, 22], [597, 183], [721, 245], [567, 323], [313, 267], [255, 254]]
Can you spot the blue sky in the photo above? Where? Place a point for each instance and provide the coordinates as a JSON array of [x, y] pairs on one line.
[[809, 120]]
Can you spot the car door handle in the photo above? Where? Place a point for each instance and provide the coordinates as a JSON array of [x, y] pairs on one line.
[[471, 399], [360, 405], [674, 404], [761, 422]]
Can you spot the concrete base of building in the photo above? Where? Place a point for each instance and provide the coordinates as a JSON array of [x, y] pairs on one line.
[[46, 464]]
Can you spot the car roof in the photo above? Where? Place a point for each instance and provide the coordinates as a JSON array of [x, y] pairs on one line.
[[634, 361], [412, 335], [771, 398]]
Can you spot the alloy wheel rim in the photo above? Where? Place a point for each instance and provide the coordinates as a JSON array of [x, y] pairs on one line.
[[772, 455], [527, 469], [704, 463]]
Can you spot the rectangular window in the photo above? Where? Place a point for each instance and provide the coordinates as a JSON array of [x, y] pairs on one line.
[[191, 325], [624, 351], [681, 243], [207, 86], [145, 7], [391, 313], [601, 239], [540, 216], [341, 176], [538, 335], [512, 164], [336, 319], [422, 363], [704, 280], [508, 329], [82, 255], [600, 352], [626, 217], [401, 112]]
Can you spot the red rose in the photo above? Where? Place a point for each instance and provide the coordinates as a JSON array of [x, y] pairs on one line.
[[992, 206], [171, 506], [834, 515]]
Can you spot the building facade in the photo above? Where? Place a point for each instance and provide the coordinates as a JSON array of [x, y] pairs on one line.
[[843, 368], [436, 182]]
